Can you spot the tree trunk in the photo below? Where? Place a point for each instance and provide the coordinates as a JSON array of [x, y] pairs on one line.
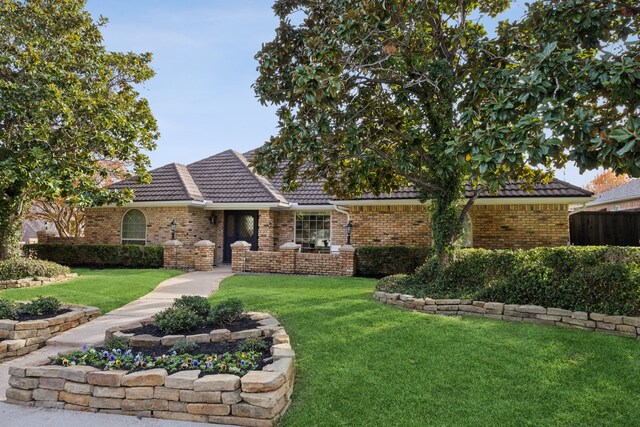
[[11, 217]]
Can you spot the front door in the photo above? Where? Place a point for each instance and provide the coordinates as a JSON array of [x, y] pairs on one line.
[[239, 225]]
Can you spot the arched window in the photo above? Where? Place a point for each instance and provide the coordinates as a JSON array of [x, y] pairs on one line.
[[466, 236], [134, 228]]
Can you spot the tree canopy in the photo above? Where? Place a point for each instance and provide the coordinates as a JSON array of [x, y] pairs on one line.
[[374, 95], [606, 181], [68, 107]]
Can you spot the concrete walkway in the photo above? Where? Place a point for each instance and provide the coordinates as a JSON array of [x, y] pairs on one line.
[[202, 283]]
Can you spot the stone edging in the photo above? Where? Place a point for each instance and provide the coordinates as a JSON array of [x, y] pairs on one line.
[[20, 338], [258, 399], [33, 282], [617, 325]]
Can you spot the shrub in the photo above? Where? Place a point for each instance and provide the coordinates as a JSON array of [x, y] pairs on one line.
[[593, 279], [42, 306], [392, 284], [19, 268], [102, 256], [8, 309], [254, 344], [184, 347], [116, 343], [197, 304], [379, 261], [227, 311], [175, 320]]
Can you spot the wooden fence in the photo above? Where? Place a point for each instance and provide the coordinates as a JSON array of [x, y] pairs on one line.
[[605, 228]]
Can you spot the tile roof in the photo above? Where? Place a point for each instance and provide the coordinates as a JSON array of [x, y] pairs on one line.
[[171, 182], [226, 177], [630, 190]]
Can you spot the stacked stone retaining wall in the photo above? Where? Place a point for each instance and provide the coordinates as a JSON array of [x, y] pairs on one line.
[[32, 282], [627, 326]]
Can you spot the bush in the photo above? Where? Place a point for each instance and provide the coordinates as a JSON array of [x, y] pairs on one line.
[[592, 279], [8, 309], [392, 284], [102, 256], [174, 320], [19, 268], [42, 306], [184, 347], [197, 304], [379, 261], [254, 344], [227, 311]]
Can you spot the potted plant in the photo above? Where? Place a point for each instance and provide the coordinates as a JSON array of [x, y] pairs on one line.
[[326, 243]]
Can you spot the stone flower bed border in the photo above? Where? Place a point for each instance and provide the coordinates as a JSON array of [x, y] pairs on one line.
[[617, 325], [20, 338], [33, 282], [258, 399]]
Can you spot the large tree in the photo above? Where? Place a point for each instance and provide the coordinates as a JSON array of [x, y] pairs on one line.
[[605, 181], [374, 95], [68, 107]]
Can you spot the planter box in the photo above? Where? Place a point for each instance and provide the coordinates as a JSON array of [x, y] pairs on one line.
[[20, 338], [626, 326], [33, 282], [259, 398]]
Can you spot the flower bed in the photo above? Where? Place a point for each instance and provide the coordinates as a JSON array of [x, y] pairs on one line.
[[32, 282], [195, 392], [21, 337], [617, 325]]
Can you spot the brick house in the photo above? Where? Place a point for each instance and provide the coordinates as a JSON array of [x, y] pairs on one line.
[[220, 199], [623, 198]]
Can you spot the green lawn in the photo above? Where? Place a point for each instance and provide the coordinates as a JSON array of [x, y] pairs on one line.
[[364, 363], [106, 289]]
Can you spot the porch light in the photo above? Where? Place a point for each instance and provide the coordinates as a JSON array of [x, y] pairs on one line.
[[173, 230], [349, 227], [212, 218]]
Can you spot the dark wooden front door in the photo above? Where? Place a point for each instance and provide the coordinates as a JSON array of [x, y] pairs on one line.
[[239, 225]]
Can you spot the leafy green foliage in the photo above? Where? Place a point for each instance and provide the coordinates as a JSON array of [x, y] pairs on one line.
[[42, 306], [374, 96], [69, 108], [197, 304], [20, 268], [8, 309], [184, 347], [237, 363], [130, 256], [379, 261], [254, 344], [227, 311], [594, 279], [116, 343], [174, 320]]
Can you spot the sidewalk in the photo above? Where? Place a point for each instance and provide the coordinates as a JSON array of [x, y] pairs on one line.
[[202, 283]]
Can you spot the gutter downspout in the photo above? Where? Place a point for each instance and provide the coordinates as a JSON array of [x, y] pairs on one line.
[[346, 212]]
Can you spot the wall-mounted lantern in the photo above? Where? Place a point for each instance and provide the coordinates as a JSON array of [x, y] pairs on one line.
[[173, 230], [349, 227], [212, 218]]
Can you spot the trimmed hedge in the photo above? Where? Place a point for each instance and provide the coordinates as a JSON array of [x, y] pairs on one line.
[[102, 256], [594, 279], [20, 268], [380, 261]]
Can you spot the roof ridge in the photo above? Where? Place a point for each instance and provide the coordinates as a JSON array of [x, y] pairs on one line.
[[573, 186], [190, 187], [264, 182]]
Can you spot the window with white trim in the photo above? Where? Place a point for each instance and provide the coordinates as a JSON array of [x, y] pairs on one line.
[[313, 229], [134, 228]]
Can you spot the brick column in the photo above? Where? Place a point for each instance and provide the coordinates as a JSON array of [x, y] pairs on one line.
[[348, 260], [239, 252], [204, 255], [45, 235], [289, 251], [266, 225], [171, 253]]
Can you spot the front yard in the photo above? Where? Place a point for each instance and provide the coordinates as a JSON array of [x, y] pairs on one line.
[[106, 289], [363, 363]]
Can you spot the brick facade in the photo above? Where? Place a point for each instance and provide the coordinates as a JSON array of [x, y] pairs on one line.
[[494, 227]]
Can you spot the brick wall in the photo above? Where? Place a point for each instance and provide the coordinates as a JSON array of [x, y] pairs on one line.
[[520, 226], [390, 226], [289, 260], [103, 225]]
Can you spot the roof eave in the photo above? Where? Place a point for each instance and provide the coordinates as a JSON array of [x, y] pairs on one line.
[[569, 200], [610, 201]]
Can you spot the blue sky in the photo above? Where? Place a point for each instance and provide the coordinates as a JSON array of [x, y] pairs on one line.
[[203, 56]]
